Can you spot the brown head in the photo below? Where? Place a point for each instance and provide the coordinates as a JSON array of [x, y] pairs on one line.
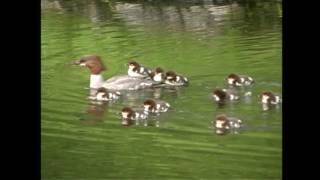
[[102, 91], [93, 62], [127, 115], [219, 95], [133, 65], [222, 121], [233, 78], [157, 74], [171, 76], [149, 105], [267, 97], [159, 70]]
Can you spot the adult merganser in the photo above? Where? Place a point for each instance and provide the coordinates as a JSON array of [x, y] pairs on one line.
[[120, 82], [221, 95], [129, 115], [136, 70], [176, 80], [155, 106], [239, 80], [268, 97]]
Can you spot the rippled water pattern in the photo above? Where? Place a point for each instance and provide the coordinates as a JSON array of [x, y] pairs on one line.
[[203, 40]]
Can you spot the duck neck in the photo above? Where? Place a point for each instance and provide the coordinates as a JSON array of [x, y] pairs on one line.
[[96, 80]]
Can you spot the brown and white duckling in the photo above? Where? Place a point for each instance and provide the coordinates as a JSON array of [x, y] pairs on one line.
[[103, 94], [268, 97], [136, 70], [155, 106], [175, 80], [239, 80], [129, 116], [158, 75], [221, 95], [224, 122]]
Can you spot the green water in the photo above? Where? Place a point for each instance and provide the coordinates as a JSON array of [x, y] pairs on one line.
[[203, 40]]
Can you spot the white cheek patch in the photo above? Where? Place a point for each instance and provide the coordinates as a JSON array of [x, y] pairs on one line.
[[146, 107], [230, 81], [232, 97], [265, 99], [170, 77], [178, 78], [141, 70], [219, 124], [216, 98], [158, 106], [125, 115], [278, 99], [157, 77], [131, 67], [242, 79], [99, 96], [82, 64]]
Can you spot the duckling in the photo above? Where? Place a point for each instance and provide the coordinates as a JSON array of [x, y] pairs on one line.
[[103, 94], [175, 80], [224, 124], [136, 70], [268, 97], [158, 75], [239, 80], [129, 116], [222, 95], [155, 106]]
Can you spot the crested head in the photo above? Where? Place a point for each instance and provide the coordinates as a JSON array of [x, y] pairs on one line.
[[157, 74], [133, 65], [102, 90], [221, 121], [93, 62], [267, 97], [101, 93], [171, 75], [159, 70], [220, 94], [233, 78], [149, 104], [127, 113]]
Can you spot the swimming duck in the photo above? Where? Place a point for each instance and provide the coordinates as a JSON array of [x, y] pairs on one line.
[[120, 82], [239, 80], [224, 124], [221, 95], [175, 80], [268, 97], [136, 70], [155, 106], [158, 75], [129, 116], [103, 94]]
